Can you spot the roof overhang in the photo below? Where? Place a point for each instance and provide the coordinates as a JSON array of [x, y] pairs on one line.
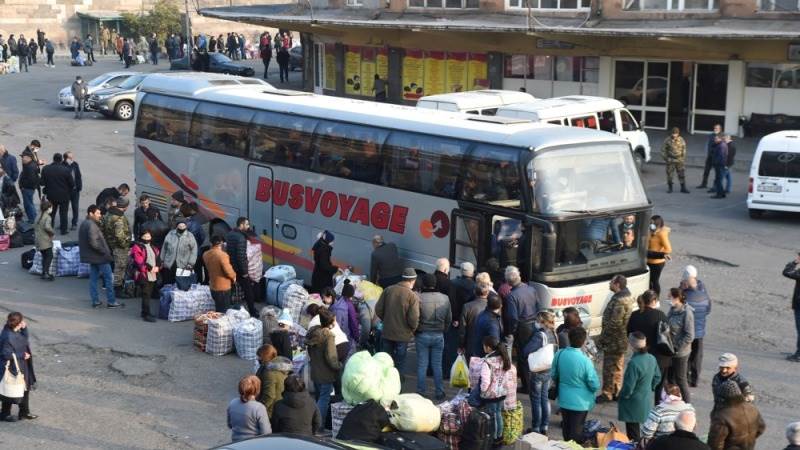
[[300, 17], [102, 16]]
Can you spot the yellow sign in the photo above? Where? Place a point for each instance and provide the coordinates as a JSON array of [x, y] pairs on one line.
[[352, 70], [368, 68], [435, 73], [457, 72], [413, 75], [478, 74], [330, 66], [383, 63]]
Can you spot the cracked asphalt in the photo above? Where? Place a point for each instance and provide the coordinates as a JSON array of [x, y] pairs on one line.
[[107, 380]]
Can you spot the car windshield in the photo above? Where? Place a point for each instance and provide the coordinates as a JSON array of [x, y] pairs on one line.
[[584, 180], [220, 58], [99, 80], [132, 82]]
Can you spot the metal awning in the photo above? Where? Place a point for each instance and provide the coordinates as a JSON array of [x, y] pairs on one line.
[[102, 16]]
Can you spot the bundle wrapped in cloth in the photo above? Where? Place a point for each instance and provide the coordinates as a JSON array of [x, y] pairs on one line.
[[368, 377]]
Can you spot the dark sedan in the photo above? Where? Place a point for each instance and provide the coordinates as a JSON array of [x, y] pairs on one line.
[[217, 63]]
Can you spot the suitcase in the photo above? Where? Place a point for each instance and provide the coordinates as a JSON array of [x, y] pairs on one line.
[[402, 440], [478, 433], [280, 273], [276, 291]]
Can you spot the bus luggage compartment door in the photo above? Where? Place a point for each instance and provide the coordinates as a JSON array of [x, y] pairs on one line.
[[259, 207]]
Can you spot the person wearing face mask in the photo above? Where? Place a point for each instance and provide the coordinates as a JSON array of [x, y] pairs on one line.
[[658, 251], [75, 195], [179, 252], [146, 258], [43, 231], [681, 329], [80, 92]]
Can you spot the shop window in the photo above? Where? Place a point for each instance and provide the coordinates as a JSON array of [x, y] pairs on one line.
[[355, 3], [221, 129], [282, 139], [550, 4], [349, 151], [421, 163], [759, 75], [788, 77], [671, 5], [449, 4], [491, 175]]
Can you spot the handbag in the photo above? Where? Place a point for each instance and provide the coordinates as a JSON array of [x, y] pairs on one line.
[[613, 434], [552, 392], [542, 359], [12, 386], [664, 339]]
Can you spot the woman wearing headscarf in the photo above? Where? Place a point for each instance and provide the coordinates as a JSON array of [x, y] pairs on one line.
[[322, 276]]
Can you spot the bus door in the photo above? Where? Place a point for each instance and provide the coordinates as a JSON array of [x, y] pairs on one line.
[[260, 211], [467, 238]]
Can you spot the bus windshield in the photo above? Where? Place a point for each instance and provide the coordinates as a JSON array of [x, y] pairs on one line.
[[585, 180]]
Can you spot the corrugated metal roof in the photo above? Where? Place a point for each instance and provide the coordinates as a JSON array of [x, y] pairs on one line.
[[479, 21]]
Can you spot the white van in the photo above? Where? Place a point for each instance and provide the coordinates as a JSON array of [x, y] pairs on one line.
[[585, 111], [775, 174], [484, 102]]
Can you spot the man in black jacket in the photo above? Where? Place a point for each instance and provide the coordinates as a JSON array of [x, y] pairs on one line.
[[29, 183], [236, 243], [108, 196], [75, 195], [58, 185], [385, 266], [646, 321], [792, 271]]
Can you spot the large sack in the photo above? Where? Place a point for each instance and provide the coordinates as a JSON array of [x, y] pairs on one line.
[[219, 340], [294, 300], [237, 315], [276, 291], [368, 377], [83, 270], [36, 268], [187, 304], [69, 261], [413, 412], [280, 273], [369, 290], [248, 337], [512, 424], [345, 274], [200, 333], [26, 258], [165, 301]]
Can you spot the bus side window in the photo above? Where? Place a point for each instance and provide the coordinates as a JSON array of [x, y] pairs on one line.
[[349, 151], [282, 139], [422, 163], [165, 119], [491, 174], [221, 129], [556, 122]]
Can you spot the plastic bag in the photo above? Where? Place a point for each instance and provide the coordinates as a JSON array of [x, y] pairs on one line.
[[459, 373], [415, 413], [368, 377], [369, 290]]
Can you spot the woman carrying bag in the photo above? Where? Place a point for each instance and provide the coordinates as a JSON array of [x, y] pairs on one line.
[[43, 233], [539, 352], [576, 380], [17, 355]]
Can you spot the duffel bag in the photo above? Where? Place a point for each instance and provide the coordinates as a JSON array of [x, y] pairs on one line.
[[187, 304], [294, 300], [512, 424], [165, 301], [26, 258], [16, 240], [219, 340], [413, 412], [27, 231], [406, 440], [276, 291], [364, 422], [280, 273], [69, 261], [338, 413]]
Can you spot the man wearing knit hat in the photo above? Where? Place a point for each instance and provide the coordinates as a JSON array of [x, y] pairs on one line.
[[728, 371], [736, 423], [174, 213], [398, 308], [639, 382]]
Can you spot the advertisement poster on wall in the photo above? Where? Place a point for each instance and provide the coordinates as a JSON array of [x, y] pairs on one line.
[[478, 74], [368, 70], [382, 63], [435, 73], [457, 72], [330, 66], [413, 75], [352, 70]]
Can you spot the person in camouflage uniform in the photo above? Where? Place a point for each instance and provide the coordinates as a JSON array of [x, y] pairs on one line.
[[674, 152], [117, 232], [613, 340]]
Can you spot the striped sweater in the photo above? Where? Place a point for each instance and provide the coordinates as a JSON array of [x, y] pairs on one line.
[[661, 420]]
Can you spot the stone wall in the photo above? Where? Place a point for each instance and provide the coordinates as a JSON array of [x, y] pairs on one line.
[[57, 18]]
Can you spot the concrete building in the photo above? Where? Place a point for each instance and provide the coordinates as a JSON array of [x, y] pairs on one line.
[[686, 63], [63, 19]]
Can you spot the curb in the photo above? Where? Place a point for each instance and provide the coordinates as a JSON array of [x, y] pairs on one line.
[[742, 165]]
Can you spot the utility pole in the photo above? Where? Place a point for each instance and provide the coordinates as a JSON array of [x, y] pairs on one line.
[[189, 39]]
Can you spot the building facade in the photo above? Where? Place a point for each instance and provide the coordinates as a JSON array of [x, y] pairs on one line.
[[685, 63]]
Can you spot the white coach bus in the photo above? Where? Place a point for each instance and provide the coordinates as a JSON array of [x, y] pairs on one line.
[[545, 198]]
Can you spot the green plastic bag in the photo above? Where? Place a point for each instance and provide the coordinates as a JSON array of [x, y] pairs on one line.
[[459, 373], [368, 377]]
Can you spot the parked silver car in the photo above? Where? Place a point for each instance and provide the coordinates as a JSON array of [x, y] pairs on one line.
[[117, 102], [104, 81]]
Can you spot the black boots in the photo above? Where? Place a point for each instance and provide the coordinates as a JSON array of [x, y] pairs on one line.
[[669, 188], [683, 188]]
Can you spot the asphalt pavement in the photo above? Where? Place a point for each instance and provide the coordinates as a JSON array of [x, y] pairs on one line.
[[108, 380]]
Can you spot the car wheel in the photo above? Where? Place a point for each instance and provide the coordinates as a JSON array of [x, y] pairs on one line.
[[638, 160], [124, 110], [755, 213]]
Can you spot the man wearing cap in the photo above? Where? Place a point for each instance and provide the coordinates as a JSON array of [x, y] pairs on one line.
[[176, 201], [398, 308], [29, 183], [58, 184], [736, 423], [386, 267], [728, 365], [221, 275], [117, 232], [792, 271], [697, 297]]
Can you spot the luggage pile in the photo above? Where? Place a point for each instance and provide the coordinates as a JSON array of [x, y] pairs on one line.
[[454, 414], [66, 261], [278, 279]]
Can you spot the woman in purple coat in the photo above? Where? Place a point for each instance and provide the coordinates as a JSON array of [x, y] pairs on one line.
[[346, 314]]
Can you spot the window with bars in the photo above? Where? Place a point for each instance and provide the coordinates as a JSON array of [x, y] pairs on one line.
[[354, 3], [447, 4], [549, 4], [672, 5]]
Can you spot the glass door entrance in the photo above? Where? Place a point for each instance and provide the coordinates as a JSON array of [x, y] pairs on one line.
[[710, 96], [644, 87]]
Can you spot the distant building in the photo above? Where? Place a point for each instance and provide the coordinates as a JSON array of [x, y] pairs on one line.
[[686, 63]]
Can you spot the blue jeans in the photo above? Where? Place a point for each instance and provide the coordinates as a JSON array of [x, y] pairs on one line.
[[728, 180], [430, 346], [719, 174], [324, 391], [104, 270], [495, 409], [797, 326], [398, 351], [540, 405], [27, 202]]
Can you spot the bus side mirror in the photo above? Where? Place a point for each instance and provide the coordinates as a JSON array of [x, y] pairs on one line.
[[548, 251]]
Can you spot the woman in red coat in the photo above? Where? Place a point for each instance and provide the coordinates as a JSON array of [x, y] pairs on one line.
[[146, 262]]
